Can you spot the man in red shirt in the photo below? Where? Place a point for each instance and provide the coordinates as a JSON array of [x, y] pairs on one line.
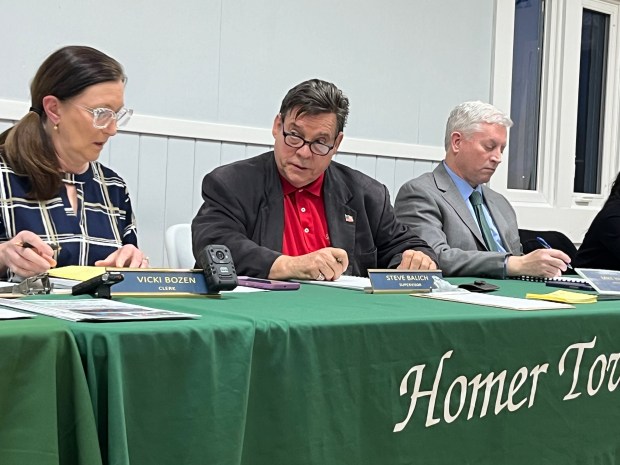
[[294, 213]]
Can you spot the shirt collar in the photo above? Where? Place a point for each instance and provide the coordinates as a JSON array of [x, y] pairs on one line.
[[314, 188], [463, 186]]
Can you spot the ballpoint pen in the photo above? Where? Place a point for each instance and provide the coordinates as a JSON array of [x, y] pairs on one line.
[[55, 247], [547, 246], [28, 245]]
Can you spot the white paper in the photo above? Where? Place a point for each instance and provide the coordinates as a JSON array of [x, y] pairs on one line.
[[6, 314], [62, 283], [346, 282], [93, 310], [243, 289], [489, 300]]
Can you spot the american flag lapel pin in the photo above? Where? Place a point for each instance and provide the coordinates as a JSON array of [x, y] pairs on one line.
[[348, 218]]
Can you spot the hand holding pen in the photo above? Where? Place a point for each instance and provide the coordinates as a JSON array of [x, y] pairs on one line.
[[546, 245], [27, 254]]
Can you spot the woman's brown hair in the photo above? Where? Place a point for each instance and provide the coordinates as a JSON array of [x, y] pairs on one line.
[[26, 146]]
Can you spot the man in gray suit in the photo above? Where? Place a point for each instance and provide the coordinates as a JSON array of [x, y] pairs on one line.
[[472, 228]]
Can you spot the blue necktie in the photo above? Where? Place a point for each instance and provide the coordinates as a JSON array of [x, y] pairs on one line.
[[476, 200]]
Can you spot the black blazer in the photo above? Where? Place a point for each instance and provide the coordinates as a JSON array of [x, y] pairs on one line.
[[244, 209], [601, 245]]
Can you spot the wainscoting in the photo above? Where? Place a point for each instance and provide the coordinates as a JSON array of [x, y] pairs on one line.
[[164, 171]]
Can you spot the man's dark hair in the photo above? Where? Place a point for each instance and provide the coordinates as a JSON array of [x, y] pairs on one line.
[[314, 97]]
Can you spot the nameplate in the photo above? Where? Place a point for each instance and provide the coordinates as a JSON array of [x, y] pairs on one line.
[[401, 281], [160, 282], [605, 282]]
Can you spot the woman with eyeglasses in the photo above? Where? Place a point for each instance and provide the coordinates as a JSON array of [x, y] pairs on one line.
[[58, 204]]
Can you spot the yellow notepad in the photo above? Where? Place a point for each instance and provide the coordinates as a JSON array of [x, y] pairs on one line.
[[77, 273], [566, 297]]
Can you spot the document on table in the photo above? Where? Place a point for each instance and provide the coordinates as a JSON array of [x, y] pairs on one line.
[[65, 277], [93, 310], [345, 282], [476, 298], [75, 272], [6, 314], [243, 289]]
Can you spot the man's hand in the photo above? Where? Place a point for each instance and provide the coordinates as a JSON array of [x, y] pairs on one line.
[[324, 264], [545, 263], [128, 256], [416, 260]]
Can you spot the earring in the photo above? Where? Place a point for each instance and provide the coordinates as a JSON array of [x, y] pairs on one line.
[[55, 127]]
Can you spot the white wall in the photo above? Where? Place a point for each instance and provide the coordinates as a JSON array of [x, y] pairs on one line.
[[206, 78]]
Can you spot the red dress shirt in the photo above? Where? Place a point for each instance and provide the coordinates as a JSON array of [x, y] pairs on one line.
[[305, 225]]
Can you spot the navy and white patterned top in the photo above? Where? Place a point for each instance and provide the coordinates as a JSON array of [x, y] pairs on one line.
[[104, 221]]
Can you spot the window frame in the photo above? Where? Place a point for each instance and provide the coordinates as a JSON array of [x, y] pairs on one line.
[[553, 204]]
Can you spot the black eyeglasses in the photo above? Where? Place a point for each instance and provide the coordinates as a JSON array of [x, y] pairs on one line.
[[297, 142]]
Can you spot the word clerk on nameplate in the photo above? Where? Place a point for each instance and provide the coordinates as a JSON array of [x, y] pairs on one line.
[[160, 282]]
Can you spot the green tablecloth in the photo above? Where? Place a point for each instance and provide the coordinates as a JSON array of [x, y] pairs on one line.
[[313, 377], [169, 392], [46, 416]]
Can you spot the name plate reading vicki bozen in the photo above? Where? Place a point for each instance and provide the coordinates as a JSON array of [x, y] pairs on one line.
[[401, 281], [159, 282]]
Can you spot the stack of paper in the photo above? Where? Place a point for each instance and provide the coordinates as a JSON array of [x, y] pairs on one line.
[[346, 282], [93, 310], [566, 297], [66, 277]]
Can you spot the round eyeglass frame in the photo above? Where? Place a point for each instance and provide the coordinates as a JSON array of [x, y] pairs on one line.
[[302, 142]]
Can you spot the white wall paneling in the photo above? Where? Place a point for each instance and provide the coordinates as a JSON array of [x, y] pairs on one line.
[[164, 172]]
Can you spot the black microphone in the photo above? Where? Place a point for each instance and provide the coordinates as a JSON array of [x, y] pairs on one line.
[[218, 267], [99, 286]]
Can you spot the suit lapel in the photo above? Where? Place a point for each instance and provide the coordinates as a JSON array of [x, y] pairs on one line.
[[452, 195], [271, 214], [341, 217]]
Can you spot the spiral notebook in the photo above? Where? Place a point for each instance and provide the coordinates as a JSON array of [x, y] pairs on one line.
[[566, 282]]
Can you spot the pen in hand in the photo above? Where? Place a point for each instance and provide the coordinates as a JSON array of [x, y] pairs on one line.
[[28, 245], [53, 245], [546, 245]]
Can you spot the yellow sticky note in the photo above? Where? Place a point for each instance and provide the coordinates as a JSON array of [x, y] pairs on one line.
[[77, 273], [566, 297]]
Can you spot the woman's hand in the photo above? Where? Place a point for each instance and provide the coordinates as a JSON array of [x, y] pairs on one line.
[[128, 256], [26, 255]]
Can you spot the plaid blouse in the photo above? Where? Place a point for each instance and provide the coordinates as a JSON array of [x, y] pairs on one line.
[[103, 223]]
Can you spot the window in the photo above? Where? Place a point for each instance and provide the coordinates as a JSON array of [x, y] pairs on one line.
[[590, 114], [557, 68], [525, 95]]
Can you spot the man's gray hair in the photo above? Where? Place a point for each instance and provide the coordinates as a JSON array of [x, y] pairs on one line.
[[467, 117]]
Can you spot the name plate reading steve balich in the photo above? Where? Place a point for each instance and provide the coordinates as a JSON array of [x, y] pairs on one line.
[[401, 281], [159, 282]]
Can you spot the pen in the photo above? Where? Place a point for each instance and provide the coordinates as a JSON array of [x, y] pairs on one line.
[[28, 245], [547, 246]]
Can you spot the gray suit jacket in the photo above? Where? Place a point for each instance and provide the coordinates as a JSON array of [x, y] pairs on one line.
[[432, 205], [244, 209]]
